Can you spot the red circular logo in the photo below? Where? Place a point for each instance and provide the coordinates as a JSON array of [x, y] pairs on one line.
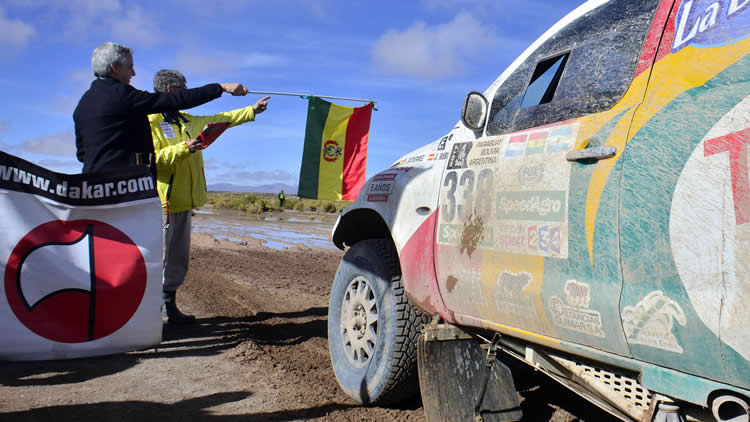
[[87, 289]]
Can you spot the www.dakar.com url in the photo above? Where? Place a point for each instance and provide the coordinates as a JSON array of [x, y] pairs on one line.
[[84, 191]]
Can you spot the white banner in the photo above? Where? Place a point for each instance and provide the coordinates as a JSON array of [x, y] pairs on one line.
[[81, 259]]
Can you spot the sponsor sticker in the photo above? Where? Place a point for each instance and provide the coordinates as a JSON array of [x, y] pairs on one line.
[[710, 23], [167, 129], [530, 174], [574, 313], [509, 297], [443, 142], [523, 238], [377, 198], [534, 206], [453, 234], [559, 140], [651, 321], [386, 176], [544, 240], [486, 153], [516, 146], [536, 143], [459, 154], [380, 190]]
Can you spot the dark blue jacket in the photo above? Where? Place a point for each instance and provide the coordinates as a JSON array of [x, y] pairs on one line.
[[111, 122]]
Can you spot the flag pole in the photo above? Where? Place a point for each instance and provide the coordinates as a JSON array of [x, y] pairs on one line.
[[308, 95]]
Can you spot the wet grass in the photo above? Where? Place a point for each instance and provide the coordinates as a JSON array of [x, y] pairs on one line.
[[258, 203]]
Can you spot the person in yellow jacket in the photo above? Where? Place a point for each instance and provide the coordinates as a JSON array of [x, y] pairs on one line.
[[181, 180]]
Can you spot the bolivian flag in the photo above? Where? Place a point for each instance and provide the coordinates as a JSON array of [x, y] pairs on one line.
[[334, 160]]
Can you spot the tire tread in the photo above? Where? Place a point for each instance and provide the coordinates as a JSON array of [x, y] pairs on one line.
[[402, 382]]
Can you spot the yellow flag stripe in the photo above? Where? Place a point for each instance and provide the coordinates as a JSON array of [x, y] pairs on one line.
[[332, 152]]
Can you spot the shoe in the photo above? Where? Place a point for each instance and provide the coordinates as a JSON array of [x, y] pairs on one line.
[[174, 316]]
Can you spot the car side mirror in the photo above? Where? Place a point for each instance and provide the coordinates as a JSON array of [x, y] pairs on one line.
[[474, 112]]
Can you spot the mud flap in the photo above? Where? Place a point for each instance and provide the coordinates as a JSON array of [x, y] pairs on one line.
[[450, 378]]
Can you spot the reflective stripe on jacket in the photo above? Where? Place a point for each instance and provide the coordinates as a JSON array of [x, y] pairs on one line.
[[176, 165]]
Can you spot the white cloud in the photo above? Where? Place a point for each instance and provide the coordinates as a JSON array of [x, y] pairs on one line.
[[264, 176], [81, 77], [137, 27], [235, 166], [91, 6], [65, 103], [62, 166], [189, 62], [78, 5], [61, 144], [261, 60], [443, 4], [199, 63], [316, 8], [521, 9], [15, 32], [211, 164], [236, 172], [79, 18], [432, 52]]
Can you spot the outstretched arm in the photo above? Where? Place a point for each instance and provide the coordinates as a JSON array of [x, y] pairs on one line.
[[235, 117], [149, 103], [261, 105]]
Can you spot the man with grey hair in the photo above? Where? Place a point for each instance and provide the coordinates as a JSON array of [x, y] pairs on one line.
[[181, 180], [111, 125]]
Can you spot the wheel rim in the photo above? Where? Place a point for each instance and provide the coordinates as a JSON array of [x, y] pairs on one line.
[[359, 322]]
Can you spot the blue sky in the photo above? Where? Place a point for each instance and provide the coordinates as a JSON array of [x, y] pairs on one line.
[[417, 59]]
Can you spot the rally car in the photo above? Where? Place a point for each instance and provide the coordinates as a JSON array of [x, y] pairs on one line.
[[589, 215]]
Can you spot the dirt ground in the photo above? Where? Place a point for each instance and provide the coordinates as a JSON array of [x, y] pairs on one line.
[[259, 352]]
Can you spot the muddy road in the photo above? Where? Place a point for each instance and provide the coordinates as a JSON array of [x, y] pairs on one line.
[[259, 351]]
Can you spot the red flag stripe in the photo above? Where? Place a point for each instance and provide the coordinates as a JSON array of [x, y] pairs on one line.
[[355, 152]]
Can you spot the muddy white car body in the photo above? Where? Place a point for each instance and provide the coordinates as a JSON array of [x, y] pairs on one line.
[[592, 207]]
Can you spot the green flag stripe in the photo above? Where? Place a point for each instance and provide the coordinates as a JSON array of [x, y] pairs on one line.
[[317, 113]]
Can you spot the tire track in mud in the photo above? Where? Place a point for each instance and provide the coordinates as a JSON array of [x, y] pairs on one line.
[[273, 306]]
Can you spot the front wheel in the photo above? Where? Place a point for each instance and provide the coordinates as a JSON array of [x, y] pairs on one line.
[[372, 327]]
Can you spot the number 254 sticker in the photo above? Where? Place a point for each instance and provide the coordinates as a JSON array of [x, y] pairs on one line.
[[544, 238]]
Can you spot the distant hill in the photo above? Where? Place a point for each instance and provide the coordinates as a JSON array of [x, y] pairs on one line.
[[270, 188]]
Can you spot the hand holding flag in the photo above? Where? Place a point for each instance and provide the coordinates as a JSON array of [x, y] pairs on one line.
[[194, 145], [234, 89], [211, 132]]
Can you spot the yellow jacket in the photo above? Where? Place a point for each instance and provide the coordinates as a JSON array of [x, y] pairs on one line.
[[180, 174]]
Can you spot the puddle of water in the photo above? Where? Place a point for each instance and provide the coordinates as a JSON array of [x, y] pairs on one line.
[[272, 234], [302, 220], [231, 239]]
